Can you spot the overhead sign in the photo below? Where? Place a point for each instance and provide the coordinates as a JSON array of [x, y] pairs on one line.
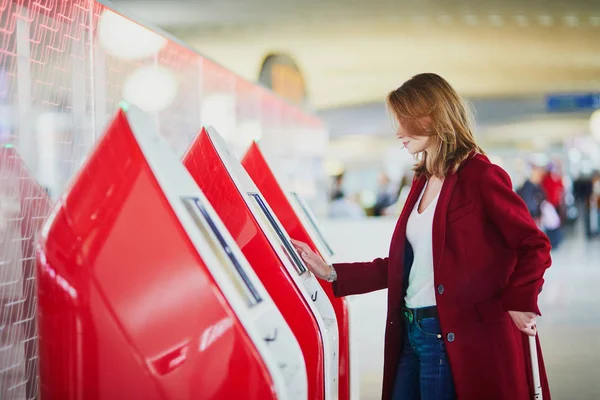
[[573, 102]]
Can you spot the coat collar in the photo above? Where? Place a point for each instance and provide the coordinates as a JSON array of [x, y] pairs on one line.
[[441, 212], [411, 200], [439, 219]]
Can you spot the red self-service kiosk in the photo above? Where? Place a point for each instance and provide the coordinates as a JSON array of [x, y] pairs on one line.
[[300, 223], [143, 293], [269, 250], [24, 206]]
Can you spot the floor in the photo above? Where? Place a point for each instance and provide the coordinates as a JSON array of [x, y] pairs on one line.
[[570, 325], [570, 303]]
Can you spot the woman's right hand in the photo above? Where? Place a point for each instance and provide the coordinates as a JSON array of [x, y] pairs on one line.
[[313, 261], [525, 321]]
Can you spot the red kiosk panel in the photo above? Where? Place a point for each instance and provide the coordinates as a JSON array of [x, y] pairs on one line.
[[203, 162], [128, 309], [257, 167]]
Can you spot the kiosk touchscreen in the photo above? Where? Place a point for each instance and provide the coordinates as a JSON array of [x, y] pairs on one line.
[[291, 209], [144, 294], [24, 205], [300, 223], [247, 215]]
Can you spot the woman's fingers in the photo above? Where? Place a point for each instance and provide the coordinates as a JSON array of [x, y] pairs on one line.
[[307, 256], [529, 324], [302, 248], [313, 261], [531, 331], [299, 244], [525, 321]]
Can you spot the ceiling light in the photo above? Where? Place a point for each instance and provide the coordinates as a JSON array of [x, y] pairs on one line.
[[571, 20], [125, 39], [521, 20], [151, 88], [545, 20], [471, 19], [418, 19], [445, 19], [496, 20]]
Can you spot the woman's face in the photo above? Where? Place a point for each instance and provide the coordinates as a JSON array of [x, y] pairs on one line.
[[414, 144]]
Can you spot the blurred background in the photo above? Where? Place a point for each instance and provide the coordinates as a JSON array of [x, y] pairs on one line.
[[308, 79], [530, 70]]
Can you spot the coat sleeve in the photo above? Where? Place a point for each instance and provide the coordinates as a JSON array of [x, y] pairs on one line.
[[510, 215], [360, 277]]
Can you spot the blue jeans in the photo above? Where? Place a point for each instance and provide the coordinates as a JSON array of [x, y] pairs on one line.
[[423, 370]]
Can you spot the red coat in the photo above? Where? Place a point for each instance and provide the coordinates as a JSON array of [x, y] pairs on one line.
[[554, 189], [490, 258]]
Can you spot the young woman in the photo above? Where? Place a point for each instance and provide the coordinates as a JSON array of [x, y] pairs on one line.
[[465, 265]]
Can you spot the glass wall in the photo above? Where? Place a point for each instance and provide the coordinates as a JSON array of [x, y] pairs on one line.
[[65, 66]]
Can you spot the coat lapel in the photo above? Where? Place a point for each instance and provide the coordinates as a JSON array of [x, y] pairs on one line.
[[399, 236], [439, 219], [411, 200], [441, 212]]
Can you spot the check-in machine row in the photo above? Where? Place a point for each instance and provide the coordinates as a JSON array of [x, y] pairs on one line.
[[159, 279]]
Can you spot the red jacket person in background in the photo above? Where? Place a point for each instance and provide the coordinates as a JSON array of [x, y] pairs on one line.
[[465, 265]]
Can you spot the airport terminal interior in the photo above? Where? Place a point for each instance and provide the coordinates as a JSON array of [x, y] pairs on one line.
[[160, 159]]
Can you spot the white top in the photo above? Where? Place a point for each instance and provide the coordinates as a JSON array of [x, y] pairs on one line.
[[419, 232]]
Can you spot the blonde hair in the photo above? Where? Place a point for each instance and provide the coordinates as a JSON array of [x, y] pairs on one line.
[[426, 105]]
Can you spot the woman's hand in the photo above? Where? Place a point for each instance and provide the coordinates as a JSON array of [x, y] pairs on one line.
[[525, 321], [313, 261]]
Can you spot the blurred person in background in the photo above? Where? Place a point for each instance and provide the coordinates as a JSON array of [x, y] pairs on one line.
[[386, 194], [554, 187], [403, 191], [582, 190], [532, 192], [543, 212], [337, 186], [465, 265], [339, 205], [550, 224], [594, 205]]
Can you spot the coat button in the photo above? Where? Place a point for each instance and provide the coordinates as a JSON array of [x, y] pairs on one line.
[[440, 289], [450, 337]]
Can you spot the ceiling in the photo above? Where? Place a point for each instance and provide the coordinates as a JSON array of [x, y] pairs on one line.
[[355, 51]]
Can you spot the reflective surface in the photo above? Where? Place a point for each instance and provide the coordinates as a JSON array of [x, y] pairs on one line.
[[230, 263], [64, 68], [23, 208], [260, 172], [203, 162], [127, 307]]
